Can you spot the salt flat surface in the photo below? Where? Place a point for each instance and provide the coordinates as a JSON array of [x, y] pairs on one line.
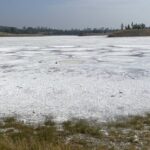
[[69, 76]]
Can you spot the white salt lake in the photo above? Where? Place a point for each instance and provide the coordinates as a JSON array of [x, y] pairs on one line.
[[69, 76]]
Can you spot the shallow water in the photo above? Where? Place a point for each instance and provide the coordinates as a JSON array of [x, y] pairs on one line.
[[69, 76]]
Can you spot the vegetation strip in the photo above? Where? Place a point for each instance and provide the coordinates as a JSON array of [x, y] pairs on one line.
[[127, 134]]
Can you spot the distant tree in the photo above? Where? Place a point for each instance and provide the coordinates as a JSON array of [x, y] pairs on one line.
[[122, 26], [143, 26], [132, 24], [128, 27], [138, 26]]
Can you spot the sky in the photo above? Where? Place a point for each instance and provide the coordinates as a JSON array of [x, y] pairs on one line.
[[67, 14]]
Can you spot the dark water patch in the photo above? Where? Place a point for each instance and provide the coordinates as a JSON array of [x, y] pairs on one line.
[[70, 70], [55, 51], [12, 52], [137, 55], [89, 50], [135, 73], [9, 70], [18, 57], [70, 56], [30, 50], [137, 70], [19, 87], [105, 51], [115, 46], [66, 47], [6, 66], [54, 69], [41, 61]]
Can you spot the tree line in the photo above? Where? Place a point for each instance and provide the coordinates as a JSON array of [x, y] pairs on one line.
[[50, 31], [133, 26]]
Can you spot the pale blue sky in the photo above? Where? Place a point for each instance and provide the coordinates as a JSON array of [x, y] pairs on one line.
[[68, 14]]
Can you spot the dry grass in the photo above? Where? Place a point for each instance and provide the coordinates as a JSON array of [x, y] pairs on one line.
[[130, 33], [5, 34], [132, 133]]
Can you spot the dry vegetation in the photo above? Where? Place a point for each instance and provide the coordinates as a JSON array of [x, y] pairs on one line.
[[131, 33], [132, 133], [4, 34]]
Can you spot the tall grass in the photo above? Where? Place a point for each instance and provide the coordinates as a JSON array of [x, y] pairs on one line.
[[126, 134]]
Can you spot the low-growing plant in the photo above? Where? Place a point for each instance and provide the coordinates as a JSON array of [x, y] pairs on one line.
[[125, 134]]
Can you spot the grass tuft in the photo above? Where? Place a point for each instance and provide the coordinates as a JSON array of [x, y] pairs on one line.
[[125, 134], [82, 126]]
